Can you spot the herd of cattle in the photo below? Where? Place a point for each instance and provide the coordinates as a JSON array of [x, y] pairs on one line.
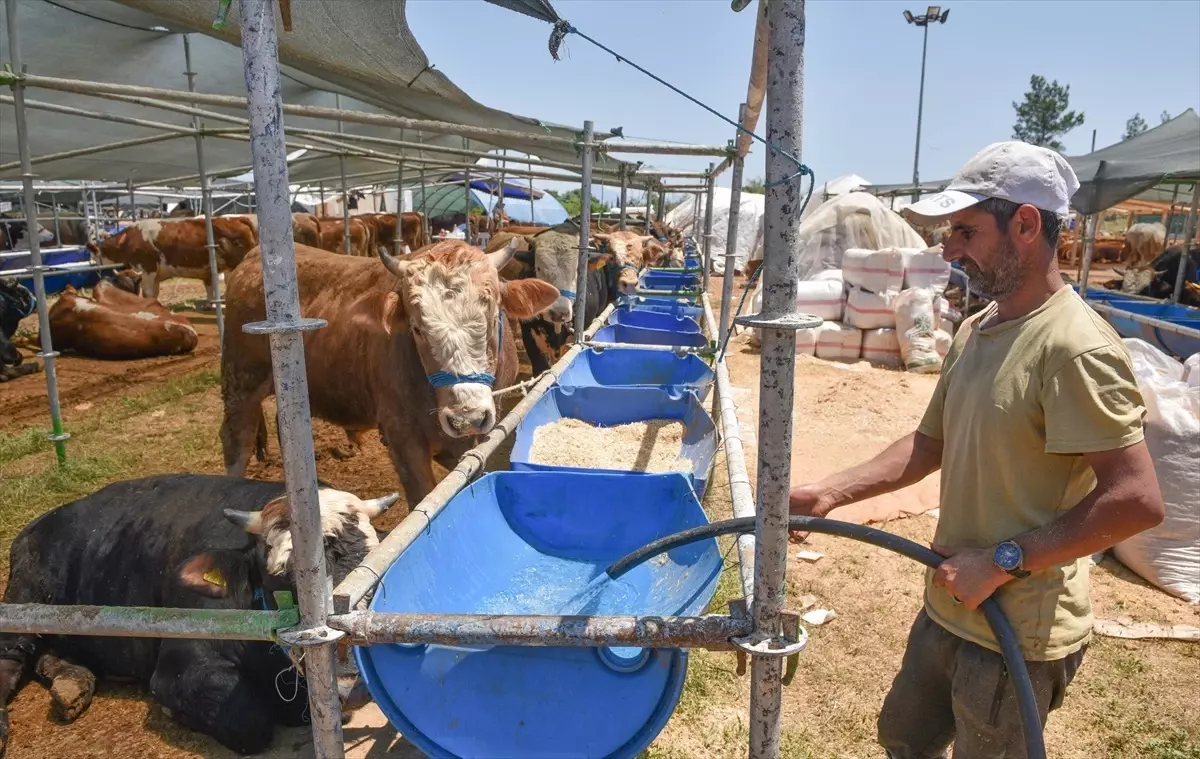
[[416, 343]]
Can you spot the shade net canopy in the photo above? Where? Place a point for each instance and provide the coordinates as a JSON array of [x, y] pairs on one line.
[[360, 49]]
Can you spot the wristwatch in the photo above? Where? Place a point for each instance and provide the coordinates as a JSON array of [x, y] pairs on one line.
[[1009, 557]]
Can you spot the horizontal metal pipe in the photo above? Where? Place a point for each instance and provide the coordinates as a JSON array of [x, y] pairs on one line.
[[143, 621], [99, 89], [662, 148], [41, 105], [60, 269], [1105, 308], [711, 632], [94, 149], [363, 578], [601, 344]]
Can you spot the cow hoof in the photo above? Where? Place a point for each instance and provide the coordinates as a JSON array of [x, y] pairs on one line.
[[71, 692], [343, 452]]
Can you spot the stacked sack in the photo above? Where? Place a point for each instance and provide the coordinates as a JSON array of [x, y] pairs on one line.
[[861, 304]]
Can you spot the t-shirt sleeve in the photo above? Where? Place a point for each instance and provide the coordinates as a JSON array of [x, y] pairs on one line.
[[1093, 404]]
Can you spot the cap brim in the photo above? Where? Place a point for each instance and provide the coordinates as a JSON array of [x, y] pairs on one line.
[[936, 208]]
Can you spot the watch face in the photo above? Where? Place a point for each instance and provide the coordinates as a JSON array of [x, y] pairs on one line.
[[1008, 556]]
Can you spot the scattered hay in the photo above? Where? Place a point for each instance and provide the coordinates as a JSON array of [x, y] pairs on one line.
[[654, 445]]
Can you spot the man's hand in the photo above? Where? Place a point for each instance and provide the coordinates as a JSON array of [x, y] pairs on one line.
[[808, 501], [968, 574]]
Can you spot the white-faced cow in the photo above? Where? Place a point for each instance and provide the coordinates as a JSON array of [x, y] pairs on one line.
[[115, 324], [634, 253], [413, 347], [175, 541], [163, 249]]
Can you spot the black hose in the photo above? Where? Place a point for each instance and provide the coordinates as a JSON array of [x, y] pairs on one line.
[[1031, 720]]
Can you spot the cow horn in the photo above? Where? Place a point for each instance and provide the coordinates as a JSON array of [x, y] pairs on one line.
[[393, 265], [250, 521], [376, 506]]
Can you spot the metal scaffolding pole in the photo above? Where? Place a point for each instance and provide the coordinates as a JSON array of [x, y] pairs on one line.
[[500, 193], [1091, 224], [708, 226], [427, 220], [47, 354], [695, 228], [321, 198], [214, 278], [781, 262], [54, 215], [624, 195], [532, 208], [337, 100], [467, 209], [649, 209], [662, 200], [1189, 231], [285, 326], [585, 223], [735, 205], [397, 240]]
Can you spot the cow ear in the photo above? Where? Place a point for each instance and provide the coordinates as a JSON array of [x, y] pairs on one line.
[[526, 298], [210, 573]]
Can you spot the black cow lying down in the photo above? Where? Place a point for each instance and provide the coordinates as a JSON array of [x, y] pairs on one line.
[[183, 541]]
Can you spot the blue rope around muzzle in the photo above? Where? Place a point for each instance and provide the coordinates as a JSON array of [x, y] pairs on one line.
[[568, 294]]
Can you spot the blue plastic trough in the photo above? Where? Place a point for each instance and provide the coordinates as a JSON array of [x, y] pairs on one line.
[[1171, 342], [621, 333], [673, 281], [662, 305], [632, 317], [538, 543], [609, 406], [55, 283], [622, 367]]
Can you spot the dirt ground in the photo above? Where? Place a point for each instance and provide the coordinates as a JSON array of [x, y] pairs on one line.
[[1131, 699]]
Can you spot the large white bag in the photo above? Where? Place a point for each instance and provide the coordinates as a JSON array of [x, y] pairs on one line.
[[838, 342], [943, 340], [821, 298], [829, 274], [877, 271], [916, 330], [881, 346], [1169, 555], [925, 268], [868, 310], [1191, 370]]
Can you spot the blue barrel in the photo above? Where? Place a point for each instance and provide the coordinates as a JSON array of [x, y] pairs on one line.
[[621, 333], [663, 305], [55, 283], [632, 317], [609, 406], [669, 280], [1171, 342], [624, 367], [538, 543]]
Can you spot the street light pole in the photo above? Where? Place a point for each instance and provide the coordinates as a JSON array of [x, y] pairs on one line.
[[934, 13]]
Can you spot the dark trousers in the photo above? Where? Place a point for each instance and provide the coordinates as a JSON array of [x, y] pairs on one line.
[[951, 690]]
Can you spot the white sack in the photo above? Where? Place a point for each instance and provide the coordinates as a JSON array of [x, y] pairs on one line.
[[868, 310], [1169, 555], [877, 271], [838, 342], [925, 268], [881, 346], [750, 220], [915, 327], [1191, 370], [822, 298], [943, 340], [829, 274]]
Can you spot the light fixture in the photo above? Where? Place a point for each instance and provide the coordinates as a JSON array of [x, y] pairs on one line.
[[908, 16]]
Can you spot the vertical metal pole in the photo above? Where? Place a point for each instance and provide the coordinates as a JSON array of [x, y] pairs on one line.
[[649, 208], [129, 182], [585, 223], [314, 590], [87, 213], [735, 207], [54, 214], [499, 217], [47, 354], [321, 197], [532, 208], [214, 277], [1170, 220], [397, 241], [1090, 225], [696, 203], [425, 207], [337, 102], [1189, 231], [467, 195], [624, 194], [662, 201], [708, 225], [781, 269], [920, 107]]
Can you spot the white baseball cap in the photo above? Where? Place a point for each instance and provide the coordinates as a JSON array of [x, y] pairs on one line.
[[1014, 171]]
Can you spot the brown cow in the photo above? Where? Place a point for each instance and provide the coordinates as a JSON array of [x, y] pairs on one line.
[[384, 227], [116, 324], [634, 253], [413, 347], [333, 231], [163, 249]]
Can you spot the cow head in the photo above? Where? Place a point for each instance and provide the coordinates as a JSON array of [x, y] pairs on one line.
[[556, 260], [235, 237], [448, 299], [630, 250]]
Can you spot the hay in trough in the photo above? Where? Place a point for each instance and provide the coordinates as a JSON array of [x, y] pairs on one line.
[[654, 445]]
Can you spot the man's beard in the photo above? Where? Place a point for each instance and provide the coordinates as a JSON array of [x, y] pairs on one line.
[[1006, 276]]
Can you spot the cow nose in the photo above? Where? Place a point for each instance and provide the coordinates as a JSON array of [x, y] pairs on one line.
[[560, 312], [467, 422]]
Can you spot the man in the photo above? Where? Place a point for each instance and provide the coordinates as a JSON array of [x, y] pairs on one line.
[[1036, 425]]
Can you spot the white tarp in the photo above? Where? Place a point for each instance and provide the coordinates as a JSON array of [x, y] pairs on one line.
[[750, 221]]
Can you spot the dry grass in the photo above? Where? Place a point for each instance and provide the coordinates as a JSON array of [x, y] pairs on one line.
[[650, 446]]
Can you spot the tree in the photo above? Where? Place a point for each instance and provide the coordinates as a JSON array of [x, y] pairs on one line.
[[1134, 126], [572, 202], [1044, 116], [756, 186], [1164, 117]]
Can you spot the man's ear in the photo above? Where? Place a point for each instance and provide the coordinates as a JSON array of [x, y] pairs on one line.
[[212, 573]]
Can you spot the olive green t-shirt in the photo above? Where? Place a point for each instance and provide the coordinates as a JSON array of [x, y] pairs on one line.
[[1015, 407]]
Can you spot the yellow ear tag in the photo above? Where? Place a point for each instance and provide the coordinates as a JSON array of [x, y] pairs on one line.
[[215, 577]]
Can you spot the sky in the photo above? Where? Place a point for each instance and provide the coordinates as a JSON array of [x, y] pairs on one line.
[[861, 72]]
